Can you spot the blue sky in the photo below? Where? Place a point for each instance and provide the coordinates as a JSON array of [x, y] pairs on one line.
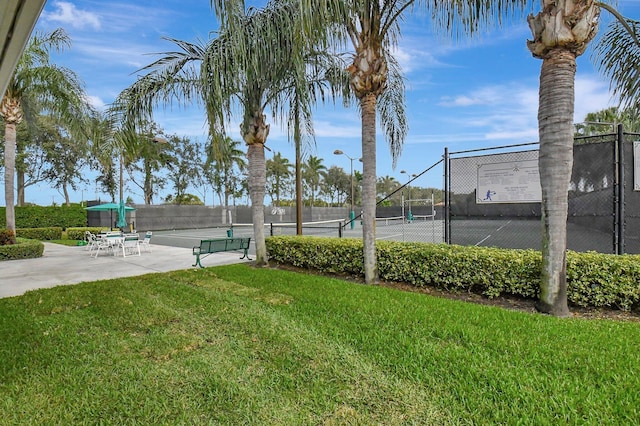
[[462, 94]]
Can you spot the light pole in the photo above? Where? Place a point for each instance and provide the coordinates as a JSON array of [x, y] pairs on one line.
[[409, 177], [352, 214]]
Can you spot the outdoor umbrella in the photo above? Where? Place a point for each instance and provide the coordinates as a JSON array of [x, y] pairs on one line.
[[122, 211], [121, 208]]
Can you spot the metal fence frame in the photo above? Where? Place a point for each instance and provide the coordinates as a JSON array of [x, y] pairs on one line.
[[621, 171]]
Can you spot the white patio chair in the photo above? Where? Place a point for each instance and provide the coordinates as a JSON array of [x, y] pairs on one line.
[[92, 241], [109, 244], [146, 243], [130, 245]]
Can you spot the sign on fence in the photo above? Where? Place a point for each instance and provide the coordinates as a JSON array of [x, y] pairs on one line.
[[508, 182]]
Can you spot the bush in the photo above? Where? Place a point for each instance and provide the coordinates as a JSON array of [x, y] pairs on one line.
[[593, 279], [7, 237], [23, 249], [78, 233], [42, 234], [47, 216]]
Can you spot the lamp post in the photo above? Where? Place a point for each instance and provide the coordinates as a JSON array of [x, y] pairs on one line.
[[352, 214], [409, 177]]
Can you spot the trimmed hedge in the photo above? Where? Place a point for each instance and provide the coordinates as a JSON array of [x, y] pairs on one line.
[[593, 279], [23, 249], [42, 234], [47, 216], [78, 233]]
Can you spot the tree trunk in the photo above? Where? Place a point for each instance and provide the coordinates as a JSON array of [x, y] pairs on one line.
[[65, 191], [257, 185], [368, 106], [19, 185], [555, 125], [9, 174]]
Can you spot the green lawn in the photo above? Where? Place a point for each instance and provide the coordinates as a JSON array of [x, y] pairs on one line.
[[234, 345]]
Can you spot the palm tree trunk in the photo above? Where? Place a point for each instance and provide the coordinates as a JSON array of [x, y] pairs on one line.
[[9, 174], [257, 185], [368, 106], [555, 122], [20, 188]]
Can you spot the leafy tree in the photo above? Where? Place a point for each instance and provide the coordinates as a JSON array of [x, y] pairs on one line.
[[65, 158], [183, 162], [336, 185], [184, 199], [147, 156], [37, 85]]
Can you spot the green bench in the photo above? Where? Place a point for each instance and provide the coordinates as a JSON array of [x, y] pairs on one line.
[[218, 245]]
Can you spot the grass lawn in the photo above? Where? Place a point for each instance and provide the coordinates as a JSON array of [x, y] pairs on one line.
[[234, 345]]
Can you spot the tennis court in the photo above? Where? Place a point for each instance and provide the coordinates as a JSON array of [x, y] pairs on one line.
[[504, 233]]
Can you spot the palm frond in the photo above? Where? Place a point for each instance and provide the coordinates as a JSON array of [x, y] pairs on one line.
[[392, 110], [616, 56]]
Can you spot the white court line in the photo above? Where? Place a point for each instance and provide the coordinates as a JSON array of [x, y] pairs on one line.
[[483, 240], [489, 236], [500, 229], [389, 236]]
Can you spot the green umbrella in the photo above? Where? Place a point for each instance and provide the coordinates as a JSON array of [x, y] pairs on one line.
[[122, 212], [108, 207], [121, 208]]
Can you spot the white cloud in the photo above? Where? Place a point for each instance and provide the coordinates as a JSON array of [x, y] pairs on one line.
[[96, 102], [592, 95], [66, 13]]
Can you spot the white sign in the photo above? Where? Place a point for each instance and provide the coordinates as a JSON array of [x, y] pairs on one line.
[[509, 182], [636, 165]]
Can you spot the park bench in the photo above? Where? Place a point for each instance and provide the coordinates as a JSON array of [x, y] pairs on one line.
[[218, 245]]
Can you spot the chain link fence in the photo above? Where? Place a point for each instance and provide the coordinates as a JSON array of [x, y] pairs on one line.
[[492, 196]]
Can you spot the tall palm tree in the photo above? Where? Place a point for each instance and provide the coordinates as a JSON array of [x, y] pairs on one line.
[[255, 60], [224, 158], [372, 27], [313, 172], [561, 33], [386, 185], [278, 173], [38, 85]]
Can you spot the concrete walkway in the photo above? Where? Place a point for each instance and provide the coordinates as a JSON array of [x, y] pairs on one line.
[[62, 265]]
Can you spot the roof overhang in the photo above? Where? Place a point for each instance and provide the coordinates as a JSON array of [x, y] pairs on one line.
[[17, 19]]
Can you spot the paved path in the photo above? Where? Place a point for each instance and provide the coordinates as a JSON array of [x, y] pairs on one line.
[[61, 265]]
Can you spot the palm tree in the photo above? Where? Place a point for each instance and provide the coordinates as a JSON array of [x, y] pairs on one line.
[[254, 62], [386, 185], [38, 85], [278, 174], [616, 56], [313, 172], [373, 28], [561, 32], [224, 160]]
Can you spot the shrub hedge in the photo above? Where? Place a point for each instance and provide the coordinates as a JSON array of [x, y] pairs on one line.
[[42, 234], [78, 233], [593, 279], [23, 249], [47, 216]]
